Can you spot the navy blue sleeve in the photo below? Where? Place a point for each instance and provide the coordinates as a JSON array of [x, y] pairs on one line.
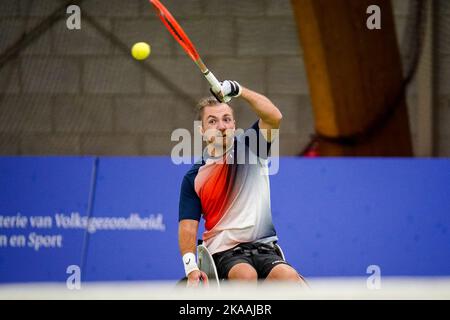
[[262, 147], [190, 206]]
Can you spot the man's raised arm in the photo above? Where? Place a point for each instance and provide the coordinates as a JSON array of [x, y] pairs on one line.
[[269, 115]]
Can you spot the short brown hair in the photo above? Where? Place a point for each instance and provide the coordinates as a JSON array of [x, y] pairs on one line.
[[206, 102]]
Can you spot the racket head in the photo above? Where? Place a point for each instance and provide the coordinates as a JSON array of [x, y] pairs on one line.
[[175, 29]]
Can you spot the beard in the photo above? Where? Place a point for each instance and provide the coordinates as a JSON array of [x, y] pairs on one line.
[[221, 142]]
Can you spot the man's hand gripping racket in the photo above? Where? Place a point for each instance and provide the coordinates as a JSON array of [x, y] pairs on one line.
[[223, 91]]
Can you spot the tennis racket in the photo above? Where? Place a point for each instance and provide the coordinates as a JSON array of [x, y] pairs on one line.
[[181, 37]]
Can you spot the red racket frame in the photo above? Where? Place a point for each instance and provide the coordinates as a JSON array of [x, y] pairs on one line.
[[175, 29]]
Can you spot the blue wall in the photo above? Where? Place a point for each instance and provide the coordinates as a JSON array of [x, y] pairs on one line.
[[334, 217], [42, 187]]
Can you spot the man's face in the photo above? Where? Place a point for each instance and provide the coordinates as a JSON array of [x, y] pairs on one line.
[[218, 125]]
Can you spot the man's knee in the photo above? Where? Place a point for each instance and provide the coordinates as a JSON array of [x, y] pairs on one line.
[[284, 272], [243, 272]]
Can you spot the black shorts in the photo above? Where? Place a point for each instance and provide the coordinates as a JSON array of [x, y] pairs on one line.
[[262, 257]]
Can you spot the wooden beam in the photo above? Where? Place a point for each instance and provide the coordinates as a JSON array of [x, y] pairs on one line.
[[354, 76], [425, 98]]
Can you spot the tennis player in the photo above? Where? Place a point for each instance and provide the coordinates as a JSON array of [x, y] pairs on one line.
[[229, 187]]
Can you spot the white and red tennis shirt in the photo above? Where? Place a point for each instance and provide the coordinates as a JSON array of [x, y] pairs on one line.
[[232, 192]]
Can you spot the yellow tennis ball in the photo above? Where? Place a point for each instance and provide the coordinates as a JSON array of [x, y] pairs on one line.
[[140, 50]]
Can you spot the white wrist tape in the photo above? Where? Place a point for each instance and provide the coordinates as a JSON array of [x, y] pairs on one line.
[[189, 263]]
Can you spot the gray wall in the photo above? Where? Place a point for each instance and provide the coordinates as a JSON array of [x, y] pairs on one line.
[[74, 92]]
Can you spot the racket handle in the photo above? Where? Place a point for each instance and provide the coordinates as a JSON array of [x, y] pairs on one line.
[[215, 86]]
